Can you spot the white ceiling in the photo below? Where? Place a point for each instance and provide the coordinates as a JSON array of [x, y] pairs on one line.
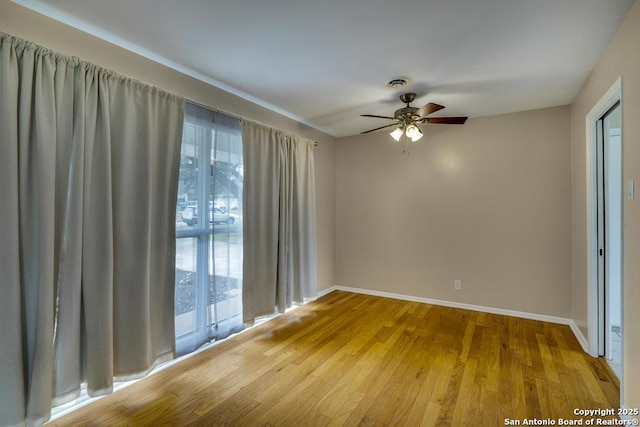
[[325, 62]]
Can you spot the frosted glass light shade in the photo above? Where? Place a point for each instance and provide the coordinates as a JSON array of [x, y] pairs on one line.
[[396, 134], [414, 132]]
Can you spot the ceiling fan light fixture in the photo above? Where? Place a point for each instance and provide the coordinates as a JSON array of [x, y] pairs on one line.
[[408, 118], [413, 132], [397, 134], [417, 136]]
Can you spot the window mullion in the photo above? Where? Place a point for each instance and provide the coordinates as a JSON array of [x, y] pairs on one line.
[[212, 186]]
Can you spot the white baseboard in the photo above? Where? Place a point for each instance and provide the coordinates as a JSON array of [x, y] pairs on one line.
[[326, 291], [580, 337], [480, 308]]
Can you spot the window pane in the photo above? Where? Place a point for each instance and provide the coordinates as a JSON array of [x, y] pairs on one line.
[[225, 251], [188, 183], [186, 285], [226, 280]]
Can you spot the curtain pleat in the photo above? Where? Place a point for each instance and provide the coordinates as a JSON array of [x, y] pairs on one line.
[[88, 181], [279, 221], [303, 217], [12, 352]]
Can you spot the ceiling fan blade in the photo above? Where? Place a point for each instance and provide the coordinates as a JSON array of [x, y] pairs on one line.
[[445, 120], [428, 109], [381, 127], [379, 117]]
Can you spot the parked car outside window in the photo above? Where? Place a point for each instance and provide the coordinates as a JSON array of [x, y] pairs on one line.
[[217, 216]]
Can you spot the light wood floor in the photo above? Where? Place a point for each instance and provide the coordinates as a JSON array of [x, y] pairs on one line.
[[349, 359]]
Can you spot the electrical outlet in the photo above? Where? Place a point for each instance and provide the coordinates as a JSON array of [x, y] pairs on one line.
[[457, 285]]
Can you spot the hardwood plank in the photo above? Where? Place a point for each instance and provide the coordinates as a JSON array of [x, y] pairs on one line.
[[430, 415], [350, 403], [468, 394], [348, 359]]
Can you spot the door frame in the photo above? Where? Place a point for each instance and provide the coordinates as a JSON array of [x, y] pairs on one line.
[[608, 100]]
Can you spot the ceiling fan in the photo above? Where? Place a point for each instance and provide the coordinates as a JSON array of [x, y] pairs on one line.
[[408, 118]]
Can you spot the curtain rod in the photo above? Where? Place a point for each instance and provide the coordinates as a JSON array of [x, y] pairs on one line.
[[235, 116], [215, 110]]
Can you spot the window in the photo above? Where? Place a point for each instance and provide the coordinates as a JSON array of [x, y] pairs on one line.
[[208, 287]]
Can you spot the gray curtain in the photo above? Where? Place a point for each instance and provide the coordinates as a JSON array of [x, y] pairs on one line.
[[88, 181], [279, 266]]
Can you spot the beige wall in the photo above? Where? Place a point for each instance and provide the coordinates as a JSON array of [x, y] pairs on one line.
[[621, 58], [487, 203], [31, 26]]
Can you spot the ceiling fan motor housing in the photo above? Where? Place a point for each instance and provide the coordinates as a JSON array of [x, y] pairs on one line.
[[406, 112]]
